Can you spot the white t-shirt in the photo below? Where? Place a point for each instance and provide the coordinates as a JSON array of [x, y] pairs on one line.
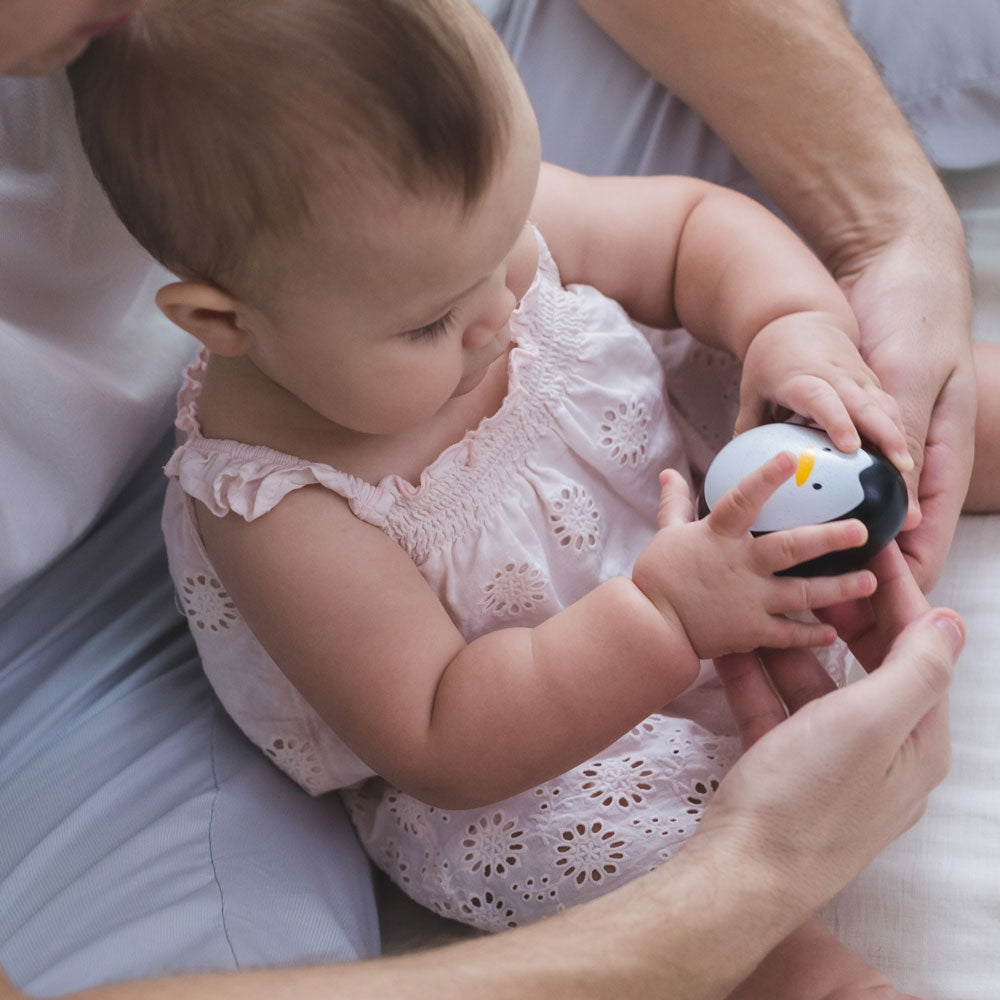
[[88, 366]]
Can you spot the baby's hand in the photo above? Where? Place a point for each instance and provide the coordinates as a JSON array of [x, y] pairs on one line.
[[807, 364], [717, 581]]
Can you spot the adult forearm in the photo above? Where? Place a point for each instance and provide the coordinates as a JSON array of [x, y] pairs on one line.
[[795, 97], [686, 931]]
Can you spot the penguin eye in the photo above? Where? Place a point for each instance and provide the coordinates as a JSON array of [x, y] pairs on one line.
[[825, 448], [817, 486]]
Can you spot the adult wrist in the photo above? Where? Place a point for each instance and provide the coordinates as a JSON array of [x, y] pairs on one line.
[[719, 910]]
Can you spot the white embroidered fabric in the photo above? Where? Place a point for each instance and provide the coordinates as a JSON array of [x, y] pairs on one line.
[[561, 843], [554, 493]]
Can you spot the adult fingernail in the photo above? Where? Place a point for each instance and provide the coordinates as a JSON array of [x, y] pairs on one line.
[[954, 630]]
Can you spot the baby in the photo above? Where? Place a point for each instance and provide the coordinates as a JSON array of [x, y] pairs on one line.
[[431, 520]]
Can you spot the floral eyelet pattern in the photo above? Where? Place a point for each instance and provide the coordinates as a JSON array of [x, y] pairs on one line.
[[493, 844], [624, 782], [297, 758], [557, 844], [590, 852], [514, 589], [575, 519], [488, 911], [206, 603], [624, 432]]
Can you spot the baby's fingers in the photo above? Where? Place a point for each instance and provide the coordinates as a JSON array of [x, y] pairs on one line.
[[877, 417], [787, 633], [794, 594], [815, 399], [782, 550], [675, 505], [739, 506]]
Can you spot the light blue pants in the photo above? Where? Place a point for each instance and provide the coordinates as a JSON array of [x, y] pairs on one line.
[[139, 831]]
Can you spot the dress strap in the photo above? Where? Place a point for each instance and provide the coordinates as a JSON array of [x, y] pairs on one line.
[[250, 480]]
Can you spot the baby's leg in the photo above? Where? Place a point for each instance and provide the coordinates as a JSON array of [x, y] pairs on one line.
[[812, 964], [984, 490], [568, 840]]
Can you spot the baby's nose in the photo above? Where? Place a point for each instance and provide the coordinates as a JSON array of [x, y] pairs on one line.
[[491, 317]]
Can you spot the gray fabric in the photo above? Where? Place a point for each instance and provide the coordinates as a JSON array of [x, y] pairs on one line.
[[139, 832], [940, 61]]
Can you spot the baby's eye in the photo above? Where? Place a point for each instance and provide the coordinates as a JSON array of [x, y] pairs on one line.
[[433, 330]]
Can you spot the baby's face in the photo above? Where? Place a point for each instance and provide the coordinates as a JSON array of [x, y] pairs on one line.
[[407, 307], [41, 36]]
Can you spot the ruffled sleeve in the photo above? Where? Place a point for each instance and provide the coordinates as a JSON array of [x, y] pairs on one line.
[[250, 480]]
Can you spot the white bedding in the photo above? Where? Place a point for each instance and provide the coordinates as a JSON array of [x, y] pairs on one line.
[[927, 911]]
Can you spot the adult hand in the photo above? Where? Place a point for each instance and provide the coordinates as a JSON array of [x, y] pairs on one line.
[[912, 300], [814, 799], [795, 677], [870, 625], [799, 102]]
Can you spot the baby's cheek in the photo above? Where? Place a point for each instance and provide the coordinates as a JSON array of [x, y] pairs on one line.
[[522, 263]]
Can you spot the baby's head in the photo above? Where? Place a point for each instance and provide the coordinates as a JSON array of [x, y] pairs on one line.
[[215, 126], [341, 185]]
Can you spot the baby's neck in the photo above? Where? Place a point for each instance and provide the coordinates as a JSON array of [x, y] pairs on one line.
[[238, 403]]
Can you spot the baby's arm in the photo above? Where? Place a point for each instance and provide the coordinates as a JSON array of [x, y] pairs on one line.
[[349, 619], [680, 251]]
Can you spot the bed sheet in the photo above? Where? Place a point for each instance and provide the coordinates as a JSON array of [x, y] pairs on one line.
[[927, 910]]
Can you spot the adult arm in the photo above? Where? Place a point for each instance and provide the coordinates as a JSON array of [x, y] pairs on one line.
[[796, 98], [771, 848]]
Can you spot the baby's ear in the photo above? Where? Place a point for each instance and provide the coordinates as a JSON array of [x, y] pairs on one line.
[[217, 319]]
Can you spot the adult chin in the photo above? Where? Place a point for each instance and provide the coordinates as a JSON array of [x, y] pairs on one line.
[[56, 57], [26, 50]]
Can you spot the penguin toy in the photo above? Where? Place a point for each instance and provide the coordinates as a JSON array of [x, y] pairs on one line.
[[828, 485]]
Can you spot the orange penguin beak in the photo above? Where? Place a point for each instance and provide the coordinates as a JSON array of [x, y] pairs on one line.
[[807, 458]]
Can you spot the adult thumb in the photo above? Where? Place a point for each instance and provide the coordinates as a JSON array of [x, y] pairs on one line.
[[918, 668]]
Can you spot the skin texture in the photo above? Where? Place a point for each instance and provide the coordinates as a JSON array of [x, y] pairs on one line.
[[697, 927], [339, 367], [798, 101], [984, 490], [343, 363], [41, 36]]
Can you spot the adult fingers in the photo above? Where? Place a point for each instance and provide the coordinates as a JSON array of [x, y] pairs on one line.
[[869, 626], [796, 675], [914, 677], [944, 479], [755, 706]]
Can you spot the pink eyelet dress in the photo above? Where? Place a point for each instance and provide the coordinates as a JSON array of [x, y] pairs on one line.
[[554, 493]]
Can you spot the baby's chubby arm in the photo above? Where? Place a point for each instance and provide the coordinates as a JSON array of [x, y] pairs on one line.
[[679, 251], [347, 616], [349, 619]]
